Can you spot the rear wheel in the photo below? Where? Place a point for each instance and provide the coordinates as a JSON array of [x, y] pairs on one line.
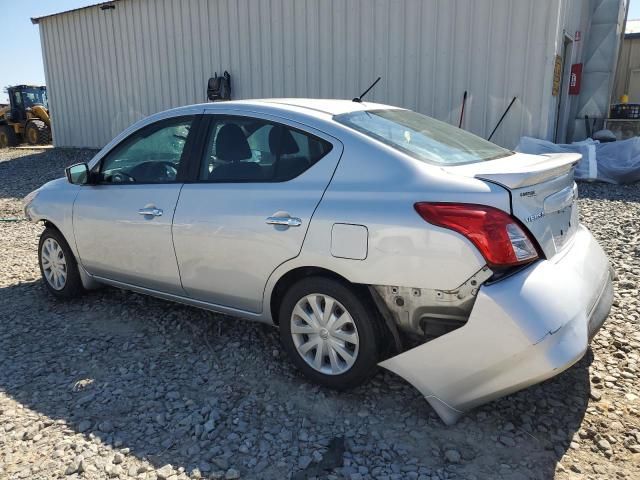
[[37, 133], [329, 332], [8, 137], [58, 265]]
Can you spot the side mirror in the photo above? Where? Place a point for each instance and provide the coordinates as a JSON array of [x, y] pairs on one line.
[[77, 174]]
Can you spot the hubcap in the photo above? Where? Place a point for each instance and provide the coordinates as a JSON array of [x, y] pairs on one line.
[[54, 265], [324, 334]]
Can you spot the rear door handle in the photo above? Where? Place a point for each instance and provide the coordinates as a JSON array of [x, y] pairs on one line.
[[286, 221], [156, 212]]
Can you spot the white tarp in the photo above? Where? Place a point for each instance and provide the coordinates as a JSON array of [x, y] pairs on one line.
[[614, 162]]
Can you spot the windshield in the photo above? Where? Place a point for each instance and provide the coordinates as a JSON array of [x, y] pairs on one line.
[[34, 96], [422, 137]]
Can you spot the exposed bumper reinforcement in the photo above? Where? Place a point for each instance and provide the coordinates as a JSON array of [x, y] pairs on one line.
[[522, 330]]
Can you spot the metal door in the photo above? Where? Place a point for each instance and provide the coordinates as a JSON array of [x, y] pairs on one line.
[[122, 224], [634, 86], [230, 236]]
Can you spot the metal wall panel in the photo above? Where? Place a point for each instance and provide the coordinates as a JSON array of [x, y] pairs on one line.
[[107, 68]]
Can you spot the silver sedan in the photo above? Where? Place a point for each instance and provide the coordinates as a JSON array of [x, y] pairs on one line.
[[370, 235]]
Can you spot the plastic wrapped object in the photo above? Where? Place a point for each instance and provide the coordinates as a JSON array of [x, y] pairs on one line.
[[587, 169], [619, 162], [614, 162], [604, 136]]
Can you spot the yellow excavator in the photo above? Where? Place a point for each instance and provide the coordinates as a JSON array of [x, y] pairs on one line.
[[26, 117]]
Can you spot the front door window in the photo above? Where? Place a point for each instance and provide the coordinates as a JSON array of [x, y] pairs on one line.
[[151, 155]]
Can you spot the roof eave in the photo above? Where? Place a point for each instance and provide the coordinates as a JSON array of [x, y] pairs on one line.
[[36, 20]]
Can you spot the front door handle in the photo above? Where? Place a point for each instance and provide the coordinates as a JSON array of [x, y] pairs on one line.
[[153, 211], [285, 221]]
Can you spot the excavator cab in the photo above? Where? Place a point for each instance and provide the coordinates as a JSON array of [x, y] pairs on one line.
[[26, 117]]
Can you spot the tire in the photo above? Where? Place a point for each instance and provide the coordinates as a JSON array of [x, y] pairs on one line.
[[362, 319], [8, 137], [37, 133], [53, 248]]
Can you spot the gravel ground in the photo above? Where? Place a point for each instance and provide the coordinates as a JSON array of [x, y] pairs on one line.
[[118, 385]]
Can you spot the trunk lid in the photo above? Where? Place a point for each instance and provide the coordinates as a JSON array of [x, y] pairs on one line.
[[543, 193]]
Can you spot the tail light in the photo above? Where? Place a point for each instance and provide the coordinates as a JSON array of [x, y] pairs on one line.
[[501, 239]]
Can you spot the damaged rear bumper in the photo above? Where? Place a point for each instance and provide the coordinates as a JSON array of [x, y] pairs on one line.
[[522, 330]]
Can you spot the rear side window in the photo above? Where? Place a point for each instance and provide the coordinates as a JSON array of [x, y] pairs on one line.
[[245, 149]]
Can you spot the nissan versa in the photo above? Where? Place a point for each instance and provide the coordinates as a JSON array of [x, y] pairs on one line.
[[370, 235]]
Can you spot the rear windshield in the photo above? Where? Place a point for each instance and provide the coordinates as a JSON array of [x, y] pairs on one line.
[[422, 137]]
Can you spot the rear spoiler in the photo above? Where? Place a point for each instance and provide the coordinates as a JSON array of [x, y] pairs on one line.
[[555, 165]]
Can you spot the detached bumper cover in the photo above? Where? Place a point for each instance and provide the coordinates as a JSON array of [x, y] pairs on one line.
[[522, 330]]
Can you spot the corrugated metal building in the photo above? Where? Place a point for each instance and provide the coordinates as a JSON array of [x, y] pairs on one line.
[[111, 64]]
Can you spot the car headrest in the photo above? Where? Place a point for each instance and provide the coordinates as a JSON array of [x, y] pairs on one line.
[[281, 142], [231, 144]]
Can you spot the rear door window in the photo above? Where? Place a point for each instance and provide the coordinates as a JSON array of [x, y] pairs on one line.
[[246, 149]]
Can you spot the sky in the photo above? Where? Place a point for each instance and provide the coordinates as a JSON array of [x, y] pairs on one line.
[[21, 63], [21, 58], [634, 10]]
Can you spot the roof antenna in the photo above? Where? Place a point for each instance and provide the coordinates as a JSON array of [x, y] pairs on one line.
[[359, 99]]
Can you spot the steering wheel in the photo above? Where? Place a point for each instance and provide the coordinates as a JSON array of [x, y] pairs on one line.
[[121, 177], [154, 171], [172, 170]]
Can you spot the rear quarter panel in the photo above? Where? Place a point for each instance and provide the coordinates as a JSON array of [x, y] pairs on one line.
[[376, 187]]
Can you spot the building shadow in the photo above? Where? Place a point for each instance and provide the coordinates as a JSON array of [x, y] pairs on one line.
[[180, 386]]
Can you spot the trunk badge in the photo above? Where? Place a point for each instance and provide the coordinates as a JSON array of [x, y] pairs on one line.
[[535, 217]]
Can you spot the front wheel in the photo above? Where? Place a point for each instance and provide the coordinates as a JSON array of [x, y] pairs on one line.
[[329, 332], [37, 133], [58, 265], [8, 136]]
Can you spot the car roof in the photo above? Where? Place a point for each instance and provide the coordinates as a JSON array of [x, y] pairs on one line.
[[313, 112], [326, 106], [314, 107]]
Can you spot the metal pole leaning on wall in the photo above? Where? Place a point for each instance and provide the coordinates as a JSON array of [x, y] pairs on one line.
[[502, 118], [464, 102]]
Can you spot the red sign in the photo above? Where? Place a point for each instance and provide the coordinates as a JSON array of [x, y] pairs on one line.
[[575, 79]]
